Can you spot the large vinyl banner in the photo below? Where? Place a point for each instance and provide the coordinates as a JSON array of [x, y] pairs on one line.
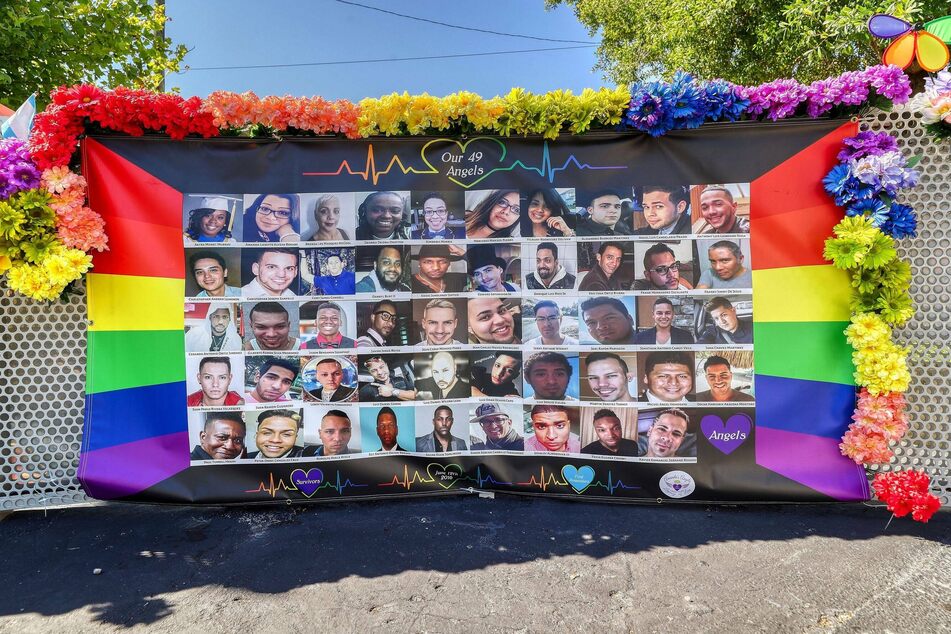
[[609, 316]]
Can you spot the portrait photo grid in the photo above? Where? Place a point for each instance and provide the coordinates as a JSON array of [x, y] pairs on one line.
[[599, 323]]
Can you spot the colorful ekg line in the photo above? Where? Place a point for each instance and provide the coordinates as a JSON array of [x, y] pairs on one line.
[[272, 487], [481, 480], [407, 482], [545, 169], [543, 482], [613, 485]]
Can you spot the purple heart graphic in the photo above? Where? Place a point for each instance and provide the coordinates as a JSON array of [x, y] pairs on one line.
[[677, 487], [726, 436], [307, 482]]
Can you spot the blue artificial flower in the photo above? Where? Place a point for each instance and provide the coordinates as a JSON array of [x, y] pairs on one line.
[[901, 222], [688, 104], [873, 208], [723, 101], [835, 181], [854, 191], [650, 109]]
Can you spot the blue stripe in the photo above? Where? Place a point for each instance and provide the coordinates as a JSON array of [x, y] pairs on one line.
[[121, 416], [807, 407]]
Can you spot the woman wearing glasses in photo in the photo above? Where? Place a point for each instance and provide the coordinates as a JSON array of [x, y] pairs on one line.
[[434, 217], [273, 218], [547, 217], [327, 219], [496, 216]]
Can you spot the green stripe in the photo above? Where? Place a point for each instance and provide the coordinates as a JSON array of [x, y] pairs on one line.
[[810, 350], [120, 359]]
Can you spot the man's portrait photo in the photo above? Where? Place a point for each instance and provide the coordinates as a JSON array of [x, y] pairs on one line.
[[438, 268], [272, 272], [441, 376], [495, 427], [388, 429], [331, 430], [667, 433], [440, 322], [214, 381], [664, 266], [384, 323], [271, 379], [551, 376], [494, 268], [607, 431], [386, 377], [270, 326], [382, 269], [438, 215], [276, 433], [329, 379], [220, 435], [658, 319], [665, 210], [552, 428], [212, 273], [434, 428], [608, 321], [555, 268], [326, 324], [725, 376], [212, 327], [328, 271], [602, 214], [724, 209], [728, 327], [496, 374], [605, 266], [666, 377], [725, 264], [608, 377], [494, 320]]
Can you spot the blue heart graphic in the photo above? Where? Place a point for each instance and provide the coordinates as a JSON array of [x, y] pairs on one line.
[[579, 479]]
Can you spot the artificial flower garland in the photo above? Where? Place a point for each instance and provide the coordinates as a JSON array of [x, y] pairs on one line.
[[867, 182]]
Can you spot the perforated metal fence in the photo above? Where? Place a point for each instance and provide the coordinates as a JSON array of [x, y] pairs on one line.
[[43, 348]]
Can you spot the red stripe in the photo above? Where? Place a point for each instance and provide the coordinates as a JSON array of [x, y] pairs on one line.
[[794, 238], [120, 189], [141, 248], [796, 183]]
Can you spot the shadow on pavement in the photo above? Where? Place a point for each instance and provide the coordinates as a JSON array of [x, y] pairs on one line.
[[146, 551]]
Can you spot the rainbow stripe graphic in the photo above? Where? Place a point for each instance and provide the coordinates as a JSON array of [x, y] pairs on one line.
[[805, 392]]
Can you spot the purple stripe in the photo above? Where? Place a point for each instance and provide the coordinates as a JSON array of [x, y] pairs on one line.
[[813, 461], [122, 470]]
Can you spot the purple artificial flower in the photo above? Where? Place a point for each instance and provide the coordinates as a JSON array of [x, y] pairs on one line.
[[17, 170], [777, 99], [890, 82], [867, 143], [941, 82], [886, 171], [853, 88], [26, 176], [821, 96]]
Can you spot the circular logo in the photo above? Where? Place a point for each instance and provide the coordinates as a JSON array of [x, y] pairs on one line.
[[677, 484]]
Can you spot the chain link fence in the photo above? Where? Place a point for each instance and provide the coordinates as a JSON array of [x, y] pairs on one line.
[[44, 356]]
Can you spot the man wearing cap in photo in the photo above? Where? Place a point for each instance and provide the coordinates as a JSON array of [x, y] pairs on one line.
[[500, 435], [488, 270], [604, 216], [434, 275]]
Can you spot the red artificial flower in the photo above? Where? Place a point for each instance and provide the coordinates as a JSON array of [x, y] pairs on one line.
[[905, 492]]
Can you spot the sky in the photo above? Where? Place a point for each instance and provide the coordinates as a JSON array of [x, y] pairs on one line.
[[273, 32]]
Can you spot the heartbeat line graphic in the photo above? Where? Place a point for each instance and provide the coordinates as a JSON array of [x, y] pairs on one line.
[[272, 487], [613, 485], [481, 480], [407, 482], [546, 169], [543, 482]]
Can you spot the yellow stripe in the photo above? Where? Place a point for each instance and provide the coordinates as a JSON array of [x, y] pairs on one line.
[[801, 293], [132, 302]]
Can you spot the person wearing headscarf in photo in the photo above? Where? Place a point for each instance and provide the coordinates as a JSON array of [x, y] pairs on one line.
[[382, 216], [211, 221], [327, 219], [547, 216], [435, 216], [496, 216], [216, 334], [273, 218]]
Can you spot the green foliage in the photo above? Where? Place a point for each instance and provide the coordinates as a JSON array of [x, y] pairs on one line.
[[744, 41], [50, 43]]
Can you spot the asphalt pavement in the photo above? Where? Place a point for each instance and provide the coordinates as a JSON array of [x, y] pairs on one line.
[[465, 564]]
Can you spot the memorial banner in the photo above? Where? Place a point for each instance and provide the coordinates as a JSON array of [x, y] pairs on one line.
[[608, 316]]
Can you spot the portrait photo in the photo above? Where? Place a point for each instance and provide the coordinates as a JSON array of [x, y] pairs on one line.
[[494, 321], [661, 209], [271, 218], [665, 320], [386, 378], [665, 265], [548, 213], [438, 268], [725, 376], [218, 437], [212, 273], [383, 215], [493, 213], [495, 426], [329, 379], [383, 268], [496, 374], [609, 377], [212, 327], [667, 432], [605, 266], [328, 271], [551, 429], [326, 324], [725, 263], [211, 218], [331, 430], [609, 431], [666, 376], [494, 268], [603, 213], [607, 321], [550, 265], [270, 272], [721, 208], [390, 428], [328, 217], [384, 323], [442, 428], [438, 215], [551, 376], [441, 375], [270, 326], [276, 434], [214, 380], [439, 321], [550, 321], [272, 379], [725, 320]]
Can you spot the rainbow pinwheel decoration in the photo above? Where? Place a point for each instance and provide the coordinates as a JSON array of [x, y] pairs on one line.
[[927, 43]]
